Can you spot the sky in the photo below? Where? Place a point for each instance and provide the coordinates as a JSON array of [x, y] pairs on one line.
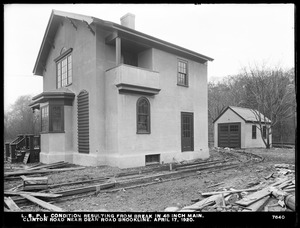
[[234, 35]]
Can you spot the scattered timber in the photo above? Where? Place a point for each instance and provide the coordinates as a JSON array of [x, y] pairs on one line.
[[11, 204], [52, 165], [229, 191], [28, 172], [259, 205], [42, 203], [37, 194], [86, 189], [203, 203]]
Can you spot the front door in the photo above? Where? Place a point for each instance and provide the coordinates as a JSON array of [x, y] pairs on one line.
[[187, 131]]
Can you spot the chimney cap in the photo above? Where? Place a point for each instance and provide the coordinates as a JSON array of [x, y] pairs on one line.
[[128, 20], [128, 14]]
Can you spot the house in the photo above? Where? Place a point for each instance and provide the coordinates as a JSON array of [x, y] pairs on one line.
[[115, 96], [238, 127]]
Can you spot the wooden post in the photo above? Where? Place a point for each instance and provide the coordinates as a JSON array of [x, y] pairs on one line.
[[6, 151], [13, 152], [118, 51], [31, 143]]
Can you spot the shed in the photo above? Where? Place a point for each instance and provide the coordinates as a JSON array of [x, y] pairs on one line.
[[238, 127]]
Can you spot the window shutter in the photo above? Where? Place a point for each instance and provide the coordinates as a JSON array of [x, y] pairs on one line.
[[83, 122]]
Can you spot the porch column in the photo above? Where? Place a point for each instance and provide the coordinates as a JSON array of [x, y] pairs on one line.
[[118, 51]]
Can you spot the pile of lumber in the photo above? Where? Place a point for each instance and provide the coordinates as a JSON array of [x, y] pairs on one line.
[[42, 168], [277, 195]]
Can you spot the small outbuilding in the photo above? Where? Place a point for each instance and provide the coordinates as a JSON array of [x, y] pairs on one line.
[[238, 127]]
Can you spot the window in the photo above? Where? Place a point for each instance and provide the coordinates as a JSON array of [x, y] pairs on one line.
[[52, 118], [45, 119], [253, 131], [143, 115], [182, 77], [264, 132], [64, 69], [152, 159]]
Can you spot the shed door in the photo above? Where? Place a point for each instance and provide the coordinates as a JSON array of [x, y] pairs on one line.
[[229, 135], [83, 122], [187, 131]]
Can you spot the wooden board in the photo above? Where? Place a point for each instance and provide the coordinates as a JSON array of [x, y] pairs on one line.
[[249, 199], [203, 203], [38, 194], [229, 191], [29, 172], [11, 204], [42, 203], [258, 205], [25, 160]]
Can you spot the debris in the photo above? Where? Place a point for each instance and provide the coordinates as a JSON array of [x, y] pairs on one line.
[[269, 176], [28, 172], [38, 194], [11, 204], [290, 202], [41, 203], [171, 209], [258, 205], [214, 185], [228, 191], [30, 183]]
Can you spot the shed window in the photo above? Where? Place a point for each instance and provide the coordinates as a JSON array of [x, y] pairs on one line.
[[253, 131], [143, 116], [52, 118], [182, 76], [64, 69]]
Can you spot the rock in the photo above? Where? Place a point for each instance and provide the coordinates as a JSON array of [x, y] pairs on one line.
[[171, 209]]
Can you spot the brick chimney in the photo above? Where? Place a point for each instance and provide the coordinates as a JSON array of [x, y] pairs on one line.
[[128, 20]]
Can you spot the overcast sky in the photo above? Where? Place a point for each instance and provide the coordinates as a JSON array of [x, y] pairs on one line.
[[233, 35]]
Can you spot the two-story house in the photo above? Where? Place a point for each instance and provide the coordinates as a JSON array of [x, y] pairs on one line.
[[115, 96]]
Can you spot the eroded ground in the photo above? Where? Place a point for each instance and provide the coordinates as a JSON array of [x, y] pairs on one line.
[[157, 197]]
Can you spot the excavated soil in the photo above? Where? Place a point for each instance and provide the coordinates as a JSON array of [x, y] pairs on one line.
[[157, 197]]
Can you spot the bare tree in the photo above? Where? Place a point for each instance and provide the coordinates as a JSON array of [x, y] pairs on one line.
[[270, 92], [20, 119]]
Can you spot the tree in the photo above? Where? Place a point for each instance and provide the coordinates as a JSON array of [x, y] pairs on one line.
[[270, 92], [20, 119]]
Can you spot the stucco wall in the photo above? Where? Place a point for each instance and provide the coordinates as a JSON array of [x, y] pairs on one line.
[[126, 148], [112, 116]]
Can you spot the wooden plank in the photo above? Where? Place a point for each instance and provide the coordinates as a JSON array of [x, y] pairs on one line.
[[25, 160], [47, 165], [42, 203], [29, 172], [249, 199], [38, 194], [11, 204], [258, 205], [203, 203], [229, 191], [75, 191]]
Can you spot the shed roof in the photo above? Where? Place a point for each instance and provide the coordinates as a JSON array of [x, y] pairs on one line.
[[56, 17], [248, 115]]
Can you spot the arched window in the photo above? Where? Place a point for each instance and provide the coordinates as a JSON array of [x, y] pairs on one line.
[[143, 116]]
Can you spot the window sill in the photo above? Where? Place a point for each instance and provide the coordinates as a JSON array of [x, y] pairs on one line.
[[183, 85], [51, 132], [143, 133]]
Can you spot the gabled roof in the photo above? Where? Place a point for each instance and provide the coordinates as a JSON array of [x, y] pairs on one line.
[[248, 115], [57, 16]]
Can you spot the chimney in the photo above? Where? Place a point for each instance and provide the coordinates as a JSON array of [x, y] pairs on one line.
[[128, 20]]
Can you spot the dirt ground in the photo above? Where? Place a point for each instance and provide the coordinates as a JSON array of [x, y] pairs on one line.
[[157, 197]]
